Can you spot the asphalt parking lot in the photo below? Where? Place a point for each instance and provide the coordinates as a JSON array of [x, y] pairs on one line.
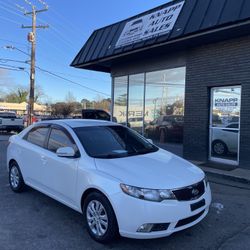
[[31, 220]]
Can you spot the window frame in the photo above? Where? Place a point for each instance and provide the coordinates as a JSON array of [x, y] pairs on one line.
[[66, 132]]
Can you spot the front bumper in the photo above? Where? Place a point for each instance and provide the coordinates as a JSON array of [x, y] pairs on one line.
[[131, 213]]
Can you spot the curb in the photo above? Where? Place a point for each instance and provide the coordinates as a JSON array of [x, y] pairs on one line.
[[228, 177]]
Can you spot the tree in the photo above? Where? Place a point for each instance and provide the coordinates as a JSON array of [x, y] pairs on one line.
[[69, 98], [39, 93], [17, 95], [62, 109], [20, 94]]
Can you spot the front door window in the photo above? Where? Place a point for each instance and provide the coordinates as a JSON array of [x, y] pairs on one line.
[[225, 124]]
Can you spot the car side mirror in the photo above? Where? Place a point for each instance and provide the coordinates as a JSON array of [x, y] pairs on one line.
[[65, 152]]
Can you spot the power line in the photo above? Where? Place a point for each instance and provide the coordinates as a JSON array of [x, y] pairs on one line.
[[56, 75], [11, 41], [68, 80], [7, 68], [11, 66], [12, 12], [11, 60], [9, 20]]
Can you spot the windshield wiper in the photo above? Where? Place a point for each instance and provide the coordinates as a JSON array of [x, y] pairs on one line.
[[111, 156], [146, 151]]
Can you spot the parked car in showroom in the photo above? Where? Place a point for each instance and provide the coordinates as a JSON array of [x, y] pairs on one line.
[[225, 140], [10, 122], [100, 114], [120, 182], [166, 128], [96, 114]]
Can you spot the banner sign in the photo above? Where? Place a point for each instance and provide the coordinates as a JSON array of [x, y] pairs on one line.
[[152, 25], [226, 102]]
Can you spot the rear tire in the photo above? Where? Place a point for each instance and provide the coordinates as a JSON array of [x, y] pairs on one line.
[[100, 218], [15, 178]]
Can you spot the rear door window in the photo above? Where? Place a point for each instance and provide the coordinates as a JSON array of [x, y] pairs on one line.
[[37, 136]]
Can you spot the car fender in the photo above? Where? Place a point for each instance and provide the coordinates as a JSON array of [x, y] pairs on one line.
[[95, 179]]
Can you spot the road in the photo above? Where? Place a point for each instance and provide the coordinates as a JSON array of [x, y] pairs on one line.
[[31, 220]]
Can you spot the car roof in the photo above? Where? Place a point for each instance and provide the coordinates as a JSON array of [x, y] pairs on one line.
[[75, 123]]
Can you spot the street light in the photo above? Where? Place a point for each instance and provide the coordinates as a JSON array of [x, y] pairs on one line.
[[13, 47]]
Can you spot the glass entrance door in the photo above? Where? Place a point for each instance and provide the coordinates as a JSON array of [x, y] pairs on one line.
[[225, 124]]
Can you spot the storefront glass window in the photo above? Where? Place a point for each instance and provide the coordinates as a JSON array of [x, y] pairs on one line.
[[120, 99], [135, 102], [164, 105]]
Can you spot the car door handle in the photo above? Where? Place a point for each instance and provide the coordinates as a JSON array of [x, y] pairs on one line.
[[43, 159]]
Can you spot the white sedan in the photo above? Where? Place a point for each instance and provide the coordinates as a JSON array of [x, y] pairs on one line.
[[118, 180]]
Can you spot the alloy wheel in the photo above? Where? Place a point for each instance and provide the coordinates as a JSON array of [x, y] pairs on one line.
[[14, 177], [97, 218]]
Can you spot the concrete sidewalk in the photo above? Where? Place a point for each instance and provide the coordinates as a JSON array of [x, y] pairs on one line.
[[222, 171], [238, 174]]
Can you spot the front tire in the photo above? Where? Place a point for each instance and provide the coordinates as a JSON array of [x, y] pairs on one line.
[[219, 148], [15, 178], [100, 218]]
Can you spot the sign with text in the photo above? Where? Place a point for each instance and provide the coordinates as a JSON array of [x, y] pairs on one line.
[[151, 25], [227, 104]]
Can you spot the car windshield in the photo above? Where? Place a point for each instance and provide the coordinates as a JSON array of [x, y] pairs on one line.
[[113, 142], [7, 115]]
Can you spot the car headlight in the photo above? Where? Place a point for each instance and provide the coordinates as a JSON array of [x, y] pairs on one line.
[[157, 195]]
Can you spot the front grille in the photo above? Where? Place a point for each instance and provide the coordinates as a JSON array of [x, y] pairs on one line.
[[192, 192], [189, 219]]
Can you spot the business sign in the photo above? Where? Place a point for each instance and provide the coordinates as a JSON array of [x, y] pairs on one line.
[[226, 102], [226, 105], [152, 25]]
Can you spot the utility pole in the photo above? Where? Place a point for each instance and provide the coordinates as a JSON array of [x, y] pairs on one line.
[[32, 40]]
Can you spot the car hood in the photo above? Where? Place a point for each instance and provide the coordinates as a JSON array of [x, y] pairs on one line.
[[158, 170]]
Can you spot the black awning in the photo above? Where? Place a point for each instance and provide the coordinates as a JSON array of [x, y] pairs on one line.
[[197, 22]]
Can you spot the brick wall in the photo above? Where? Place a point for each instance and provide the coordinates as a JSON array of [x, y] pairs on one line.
[[221, 64]]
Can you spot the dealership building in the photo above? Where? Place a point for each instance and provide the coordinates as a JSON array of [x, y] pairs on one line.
[[181, 74]]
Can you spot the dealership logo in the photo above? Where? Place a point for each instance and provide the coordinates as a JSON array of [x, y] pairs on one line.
[[195, 192]]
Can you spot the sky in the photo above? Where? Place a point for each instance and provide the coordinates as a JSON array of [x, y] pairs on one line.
[[71, 23]]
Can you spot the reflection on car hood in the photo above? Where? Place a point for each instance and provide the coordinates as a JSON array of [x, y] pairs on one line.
[[158, 170]]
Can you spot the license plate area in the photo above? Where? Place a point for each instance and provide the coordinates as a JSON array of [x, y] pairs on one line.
[[198, 205]]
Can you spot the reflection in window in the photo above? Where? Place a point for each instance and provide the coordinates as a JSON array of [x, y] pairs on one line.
[[120, 98], [59, 139], [37, 136], [225, 121], [226, 106], [164, 105], [135, 102]]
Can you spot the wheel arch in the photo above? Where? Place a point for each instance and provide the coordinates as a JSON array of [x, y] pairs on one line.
[[10, 162], [92, 190]]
